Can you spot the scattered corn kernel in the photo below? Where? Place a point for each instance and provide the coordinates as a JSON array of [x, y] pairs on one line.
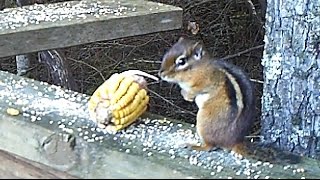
[[13, 112]]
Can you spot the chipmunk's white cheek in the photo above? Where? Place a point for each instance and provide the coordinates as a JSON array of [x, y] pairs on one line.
[[166, 78], [201, 99], [185, 86]]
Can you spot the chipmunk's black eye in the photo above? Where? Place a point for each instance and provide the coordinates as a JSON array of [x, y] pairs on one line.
[[181, 60]]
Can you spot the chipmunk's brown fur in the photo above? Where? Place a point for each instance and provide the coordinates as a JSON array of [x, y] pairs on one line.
[[222, 92]]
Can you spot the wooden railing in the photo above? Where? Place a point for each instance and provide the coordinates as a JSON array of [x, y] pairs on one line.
[[48, 26], [45, 126]]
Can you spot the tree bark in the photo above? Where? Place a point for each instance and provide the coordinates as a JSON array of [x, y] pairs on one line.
[[59, 68], [291, 60]]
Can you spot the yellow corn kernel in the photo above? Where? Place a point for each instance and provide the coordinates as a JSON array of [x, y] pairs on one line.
[[138, 99], [126, 121], [118, 127], [103, 91], [122, 89], [94, 99], [132, 116], [100, 93], [114, 82], [13, 111], [126, 110], [91, 105], [117, 115], [128, 97]]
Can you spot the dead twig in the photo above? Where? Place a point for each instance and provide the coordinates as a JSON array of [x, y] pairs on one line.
[[257, 81], [193, 5], [242, 52], [253, 11], [100, 73]]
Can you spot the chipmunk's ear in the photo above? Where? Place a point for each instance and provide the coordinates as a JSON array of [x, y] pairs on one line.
[[197, 51]]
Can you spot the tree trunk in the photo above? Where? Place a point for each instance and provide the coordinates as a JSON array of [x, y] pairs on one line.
[[291, 60]]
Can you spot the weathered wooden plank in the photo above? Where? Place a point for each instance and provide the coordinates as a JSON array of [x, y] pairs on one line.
[[50, 26], [2, 4], [53, 128], [13, 166]]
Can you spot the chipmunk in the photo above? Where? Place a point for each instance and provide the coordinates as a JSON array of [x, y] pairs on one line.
[[222, 91], [224, 95]]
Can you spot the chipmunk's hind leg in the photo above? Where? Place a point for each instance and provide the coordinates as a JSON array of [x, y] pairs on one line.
[[240, 149]]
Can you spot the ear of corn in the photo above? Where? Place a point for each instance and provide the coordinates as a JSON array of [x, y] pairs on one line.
[[130, 119], [132, 111], [118, 102], [122, 89]]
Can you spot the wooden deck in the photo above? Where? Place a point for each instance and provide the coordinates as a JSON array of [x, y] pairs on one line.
[[50, 26]]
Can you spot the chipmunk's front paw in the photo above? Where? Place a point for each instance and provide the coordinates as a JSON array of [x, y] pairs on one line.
[[188, 145], [187, 96]]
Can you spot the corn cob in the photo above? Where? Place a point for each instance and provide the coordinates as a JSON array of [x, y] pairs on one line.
[[120, 100]]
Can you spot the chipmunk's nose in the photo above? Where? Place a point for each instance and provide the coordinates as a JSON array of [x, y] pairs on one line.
[[161, 73]]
